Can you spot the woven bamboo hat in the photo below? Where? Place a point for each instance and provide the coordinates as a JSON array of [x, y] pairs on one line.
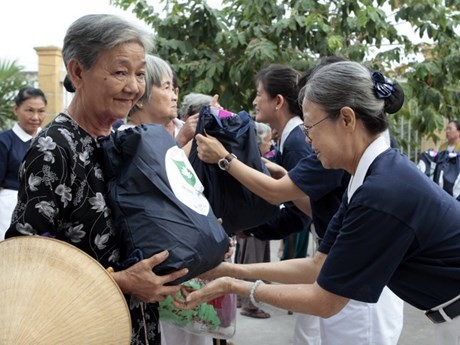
[[53, 293]]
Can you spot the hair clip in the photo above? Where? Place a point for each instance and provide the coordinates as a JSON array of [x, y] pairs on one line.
[[383, 88]]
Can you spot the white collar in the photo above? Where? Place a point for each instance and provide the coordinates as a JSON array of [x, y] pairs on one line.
[[378, 146], [178, 124], [23, 135], [290, 125]]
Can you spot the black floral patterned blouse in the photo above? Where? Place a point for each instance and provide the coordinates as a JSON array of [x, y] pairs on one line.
[[62, 195]]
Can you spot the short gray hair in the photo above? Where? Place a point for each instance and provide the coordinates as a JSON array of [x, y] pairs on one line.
[[262, 130], [192, 104], [91, 34], [347, 83], [155, 70]]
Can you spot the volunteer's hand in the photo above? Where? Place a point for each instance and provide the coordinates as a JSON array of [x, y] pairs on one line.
[[209, 149]]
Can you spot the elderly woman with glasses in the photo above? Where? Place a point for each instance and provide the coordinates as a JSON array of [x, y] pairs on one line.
[[394, 227]]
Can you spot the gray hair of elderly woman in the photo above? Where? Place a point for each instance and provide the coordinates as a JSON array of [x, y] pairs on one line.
[[93, 33], [347, 83], [262, 130], [155, 70], [192, 104]]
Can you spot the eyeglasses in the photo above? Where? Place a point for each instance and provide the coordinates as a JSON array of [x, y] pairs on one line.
[[306, 129]]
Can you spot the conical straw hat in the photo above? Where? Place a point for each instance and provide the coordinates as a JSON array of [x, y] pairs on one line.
[[53, 293]]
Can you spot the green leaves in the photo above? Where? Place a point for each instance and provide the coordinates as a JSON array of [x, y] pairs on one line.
[[220, 50], [12, 79]]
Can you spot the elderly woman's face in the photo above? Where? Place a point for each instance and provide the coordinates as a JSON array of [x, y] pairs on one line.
[[162, 101], [115, 82], [324, 135]]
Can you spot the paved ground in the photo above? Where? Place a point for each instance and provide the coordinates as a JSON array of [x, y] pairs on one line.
[[278, 330]]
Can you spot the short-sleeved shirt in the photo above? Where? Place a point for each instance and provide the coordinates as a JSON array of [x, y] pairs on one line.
[[14, 144], [293, 148], [62, 195], [325, 188], [398, 229]]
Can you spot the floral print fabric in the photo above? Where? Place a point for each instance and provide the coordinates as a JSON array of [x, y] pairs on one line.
[[62, 195]]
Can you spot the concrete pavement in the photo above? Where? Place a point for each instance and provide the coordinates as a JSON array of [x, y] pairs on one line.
[[279, 329]]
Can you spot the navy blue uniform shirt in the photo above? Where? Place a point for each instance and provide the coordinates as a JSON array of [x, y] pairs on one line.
[[399, 229], [12, 152], [325, 187]]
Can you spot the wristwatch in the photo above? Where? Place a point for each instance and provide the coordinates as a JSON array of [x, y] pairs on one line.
[[224, 163]]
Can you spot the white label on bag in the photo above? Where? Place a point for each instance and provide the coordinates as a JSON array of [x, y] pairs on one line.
[[183, 181]]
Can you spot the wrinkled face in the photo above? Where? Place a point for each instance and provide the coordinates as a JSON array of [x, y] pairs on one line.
[[174, 113], [162, 101], [31, 114], [324, 135], [452, 134], [264, 106], [111, 87]]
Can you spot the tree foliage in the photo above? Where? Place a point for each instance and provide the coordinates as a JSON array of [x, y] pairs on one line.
[[220, 50], [11, 80]]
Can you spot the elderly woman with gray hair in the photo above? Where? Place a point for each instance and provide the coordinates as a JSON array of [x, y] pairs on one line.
[[394, 228], [155, 107], [159, 104], [192, 103], [62, 192]]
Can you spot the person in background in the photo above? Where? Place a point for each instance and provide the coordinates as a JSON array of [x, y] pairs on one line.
[[62, 192], [159, 101], [452, 136], [30, 109], [158, 106], [322, 190], [192, 103], [382, 234], [182, 129], [250, 249]]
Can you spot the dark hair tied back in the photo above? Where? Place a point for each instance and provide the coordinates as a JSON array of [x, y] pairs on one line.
[[390, 92], [382, 87], [27, 93], [68, 85]]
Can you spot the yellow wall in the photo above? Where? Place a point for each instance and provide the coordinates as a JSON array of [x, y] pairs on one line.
[[50, 77]]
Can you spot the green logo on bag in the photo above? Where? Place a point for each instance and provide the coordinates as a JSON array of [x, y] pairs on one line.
[[186, 173]]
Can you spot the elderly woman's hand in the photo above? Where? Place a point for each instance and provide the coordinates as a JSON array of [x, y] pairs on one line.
[[187, 131], [140, 281], [209, 149], [231, 249], [191, 298]]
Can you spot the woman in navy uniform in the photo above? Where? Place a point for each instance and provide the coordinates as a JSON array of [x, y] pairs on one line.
[[394, 227], [318, 191]]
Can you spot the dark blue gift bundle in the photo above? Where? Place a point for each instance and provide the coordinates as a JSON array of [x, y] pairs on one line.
[[157, 203], [239, 208]]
